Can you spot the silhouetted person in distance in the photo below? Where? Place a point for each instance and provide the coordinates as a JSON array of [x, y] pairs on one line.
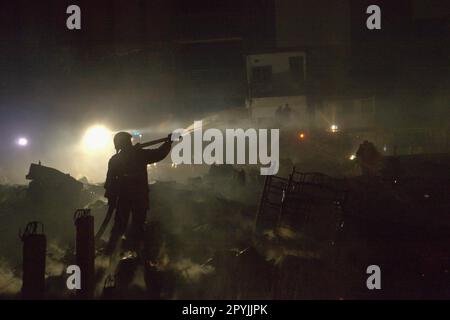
[[368, 158], [279, 113], [287, 112], [127, 188]]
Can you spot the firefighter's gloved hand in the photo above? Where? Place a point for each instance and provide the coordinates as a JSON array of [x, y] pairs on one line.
[[175, 137]]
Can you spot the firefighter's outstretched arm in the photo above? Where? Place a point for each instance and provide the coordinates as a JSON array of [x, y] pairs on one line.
[[155, 155]]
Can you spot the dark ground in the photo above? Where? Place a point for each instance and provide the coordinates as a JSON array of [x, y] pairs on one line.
[[201, 241]]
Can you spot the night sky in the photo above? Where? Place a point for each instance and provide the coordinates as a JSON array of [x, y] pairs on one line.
[[141, 64]]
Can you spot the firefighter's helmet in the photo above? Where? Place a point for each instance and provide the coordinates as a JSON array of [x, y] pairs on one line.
[[122, 140]]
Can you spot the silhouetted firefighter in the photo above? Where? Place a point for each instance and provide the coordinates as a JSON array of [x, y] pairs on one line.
[[127, 188], [368, 158]]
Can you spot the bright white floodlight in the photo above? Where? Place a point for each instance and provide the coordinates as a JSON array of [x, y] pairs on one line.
[[96, 138], [22, 142], [334, 128]]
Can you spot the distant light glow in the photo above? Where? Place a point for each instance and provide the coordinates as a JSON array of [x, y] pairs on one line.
[[23, 142], [352, 157], [334, 128], [97, 138], [136, 134], [301, 136]]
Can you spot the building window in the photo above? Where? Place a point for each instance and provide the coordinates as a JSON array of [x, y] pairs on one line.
[[297, 67], [262, 74]]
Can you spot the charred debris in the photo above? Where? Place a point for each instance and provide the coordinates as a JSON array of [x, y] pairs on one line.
[[232, 234]]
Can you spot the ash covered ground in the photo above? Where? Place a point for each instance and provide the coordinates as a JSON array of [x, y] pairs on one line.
[[202, 242]]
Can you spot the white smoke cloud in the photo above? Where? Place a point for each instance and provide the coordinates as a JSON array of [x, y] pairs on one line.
[[191, 271], [10, 284]]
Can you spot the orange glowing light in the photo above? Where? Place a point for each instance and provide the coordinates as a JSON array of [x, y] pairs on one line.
[[301, 135]]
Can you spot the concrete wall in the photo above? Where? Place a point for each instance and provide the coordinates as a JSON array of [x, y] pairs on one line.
[[279, 61], [264, 108], [282, 81]]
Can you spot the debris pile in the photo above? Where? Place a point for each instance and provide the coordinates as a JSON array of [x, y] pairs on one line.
[[229, 235]]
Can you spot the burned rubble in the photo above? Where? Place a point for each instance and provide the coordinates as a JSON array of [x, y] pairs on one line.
[[215, 239]]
